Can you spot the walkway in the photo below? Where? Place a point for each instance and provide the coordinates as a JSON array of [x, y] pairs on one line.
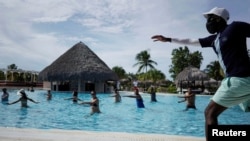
[[18, 134]]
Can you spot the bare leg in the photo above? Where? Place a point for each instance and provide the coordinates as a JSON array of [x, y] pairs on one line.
[[212, 112]]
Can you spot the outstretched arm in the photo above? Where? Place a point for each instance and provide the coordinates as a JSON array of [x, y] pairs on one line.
[[86, 102], [161, 38], [14, 102], [32, 100], [79, 99], [194, 42], [68, 98], [182, 101], [186, 96], [131, 96]]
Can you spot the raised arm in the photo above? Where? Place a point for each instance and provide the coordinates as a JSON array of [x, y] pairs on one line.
[[87, 102], [194, 42], [79, 99], [182, 101], [68, 98], [32, 100], [161, 38], [14, 102], [186, 96], [131, 96]]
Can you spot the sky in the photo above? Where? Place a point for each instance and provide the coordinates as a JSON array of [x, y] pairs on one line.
[[34, 33]]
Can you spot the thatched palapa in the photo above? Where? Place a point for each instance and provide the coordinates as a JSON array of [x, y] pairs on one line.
[[189, 76], [80, 64]]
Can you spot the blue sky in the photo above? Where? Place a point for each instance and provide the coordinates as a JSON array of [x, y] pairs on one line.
[[34, 33]]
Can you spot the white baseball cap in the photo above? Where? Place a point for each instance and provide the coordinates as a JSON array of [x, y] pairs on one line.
[[20, 92], [221, 12]]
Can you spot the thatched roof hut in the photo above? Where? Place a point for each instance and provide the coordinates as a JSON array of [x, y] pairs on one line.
[[190, 75], [78, 63]]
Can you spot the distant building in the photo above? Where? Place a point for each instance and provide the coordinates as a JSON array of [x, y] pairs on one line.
[[78, 68]]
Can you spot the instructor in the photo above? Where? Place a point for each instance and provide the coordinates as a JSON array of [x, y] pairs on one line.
[[229, 43]]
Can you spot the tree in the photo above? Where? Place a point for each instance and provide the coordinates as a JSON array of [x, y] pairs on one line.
[[119, 71], [155, 75], [12, 67], [214, 70], [11, 73], [183, 58], [144, 61], [2, 76]]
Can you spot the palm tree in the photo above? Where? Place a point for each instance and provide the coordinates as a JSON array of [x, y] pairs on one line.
[[144, 61], [119, 71], [214, 70], [182, 58], [156, 75]]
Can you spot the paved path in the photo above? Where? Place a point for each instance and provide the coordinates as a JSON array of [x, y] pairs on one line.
[[19, 134]]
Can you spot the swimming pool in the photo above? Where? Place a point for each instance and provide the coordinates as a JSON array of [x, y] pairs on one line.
[[163, 117]]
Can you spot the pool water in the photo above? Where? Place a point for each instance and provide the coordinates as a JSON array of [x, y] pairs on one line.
[[163, 117]]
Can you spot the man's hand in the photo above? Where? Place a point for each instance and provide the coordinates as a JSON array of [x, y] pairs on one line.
[[160, 38]]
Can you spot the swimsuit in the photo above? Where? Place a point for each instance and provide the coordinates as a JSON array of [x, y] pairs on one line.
[[94, 104], [139, 103]]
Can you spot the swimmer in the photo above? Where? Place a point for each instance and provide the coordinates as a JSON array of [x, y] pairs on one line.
[[189, 98], [23, 99], [94, 103], [139, 100], [74, 97], [117, 96], [49, 95], [5, 95]]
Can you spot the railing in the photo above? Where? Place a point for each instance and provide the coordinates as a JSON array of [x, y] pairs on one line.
[[20, 84]]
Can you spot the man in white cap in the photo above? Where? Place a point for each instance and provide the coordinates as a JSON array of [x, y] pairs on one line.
[[229, 43]]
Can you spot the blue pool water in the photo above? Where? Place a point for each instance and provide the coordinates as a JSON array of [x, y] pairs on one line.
[[163, 117]]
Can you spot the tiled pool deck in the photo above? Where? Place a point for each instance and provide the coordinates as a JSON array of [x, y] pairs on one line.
[[20, 134]]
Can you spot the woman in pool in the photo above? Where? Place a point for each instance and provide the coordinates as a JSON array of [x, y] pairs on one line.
[[74, 97], [153, 94], [49, 95], [5, 95], [117, 96], [23, 99], [94, 103], [139, 100]]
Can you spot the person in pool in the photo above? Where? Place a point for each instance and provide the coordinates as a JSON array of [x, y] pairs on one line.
[[49, 95], [74, 97], [139, 100], [153, 93], [23, 99], [94, 103], [117, 96], [189, 97], [5, 95]]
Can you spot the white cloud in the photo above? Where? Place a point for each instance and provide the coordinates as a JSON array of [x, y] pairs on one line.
[[34, 33]]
